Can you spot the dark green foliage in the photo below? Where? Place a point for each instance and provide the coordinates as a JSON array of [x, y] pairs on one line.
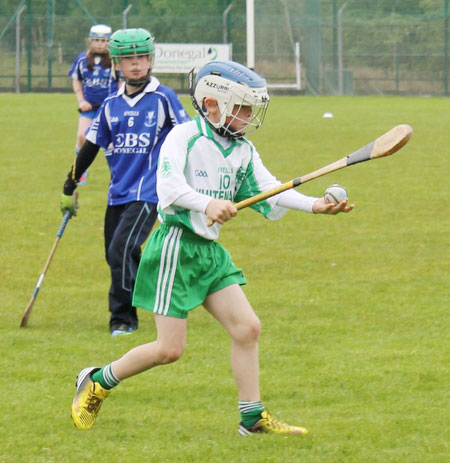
[[388, 46]]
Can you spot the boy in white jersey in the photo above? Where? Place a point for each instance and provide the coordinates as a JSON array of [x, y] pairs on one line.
[[205, 165]]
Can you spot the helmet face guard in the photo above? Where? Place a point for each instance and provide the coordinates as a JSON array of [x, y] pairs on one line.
[[126, 43], [233, 86]]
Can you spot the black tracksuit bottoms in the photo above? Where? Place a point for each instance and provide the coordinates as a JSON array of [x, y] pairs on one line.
[[127, 226]]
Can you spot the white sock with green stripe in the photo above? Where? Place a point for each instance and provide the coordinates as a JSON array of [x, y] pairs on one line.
[[106, 377], [250, 412]]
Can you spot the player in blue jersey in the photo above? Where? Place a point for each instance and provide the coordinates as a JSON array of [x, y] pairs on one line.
[[92, 80], [135, 121]]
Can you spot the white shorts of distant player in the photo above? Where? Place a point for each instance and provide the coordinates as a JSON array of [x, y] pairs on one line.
[[335, 194]]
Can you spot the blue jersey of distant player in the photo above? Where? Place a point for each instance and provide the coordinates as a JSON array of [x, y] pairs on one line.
[[97, 84], [136, 127]]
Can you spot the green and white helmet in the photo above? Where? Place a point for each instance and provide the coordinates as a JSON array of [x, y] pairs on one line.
[[132, 42]]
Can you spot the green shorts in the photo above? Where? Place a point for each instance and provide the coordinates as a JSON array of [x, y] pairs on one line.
[[179, 269]]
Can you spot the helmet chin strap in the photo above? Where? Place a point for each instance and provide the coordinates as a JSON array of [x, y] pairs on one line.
[[223, 131], [139, 82]]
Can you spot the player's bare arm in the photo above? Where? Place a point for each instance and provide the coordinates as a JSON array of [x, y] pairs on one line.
[[78, 90]]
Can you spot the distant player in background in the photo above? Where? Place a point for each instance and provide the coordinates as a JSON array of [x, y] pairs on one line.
[[204, 166], [92, 80], [135, 120]]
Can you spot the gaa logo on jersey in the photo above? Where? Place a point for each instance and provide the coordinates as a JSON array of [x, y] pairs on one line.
[[200, 173], [150, 119]]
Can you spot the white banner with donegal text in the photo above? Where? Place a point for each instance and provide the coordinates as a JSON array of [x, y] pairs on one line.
[[182, 57]]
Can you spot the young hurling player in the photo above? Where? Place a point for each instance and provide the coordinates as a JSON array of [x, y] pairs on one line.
[[135, 120], [204, 165], [92, 80]]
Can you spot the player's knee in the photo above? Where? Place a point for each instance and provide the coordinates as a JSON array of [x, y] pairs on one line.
[[115, 255], [255, 329], [170, 354], [250, 332]]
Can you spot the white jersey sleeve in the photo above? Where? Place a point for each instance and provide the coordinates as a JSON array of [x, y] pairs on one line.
[[257, 180], [172, 182], [193, 201], [292, 199]]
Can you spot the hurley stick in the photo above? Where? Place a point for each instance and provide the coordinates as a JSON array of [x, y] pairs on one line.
[[389, 143], [30, 305]]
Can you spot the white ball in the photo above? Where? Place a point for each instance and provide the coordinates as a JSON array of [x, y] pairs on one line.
[[327, 115], [335, 194]]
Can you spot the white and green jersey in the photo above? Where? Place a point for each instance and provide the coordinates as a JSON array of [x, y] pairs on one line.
[[194, 158]]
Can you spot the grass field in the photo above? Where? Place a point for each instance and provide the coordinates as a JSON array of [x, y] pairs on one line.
[[355, 308]]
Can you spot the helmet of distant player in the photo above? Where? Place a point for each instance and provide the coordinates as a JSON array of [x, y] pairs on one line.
[[230, 84], [132, 42], [98, 38]]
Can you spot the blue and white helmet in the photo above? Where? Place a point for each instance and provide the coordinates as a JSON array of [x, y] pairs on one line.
[[231, 84], [100, 31]]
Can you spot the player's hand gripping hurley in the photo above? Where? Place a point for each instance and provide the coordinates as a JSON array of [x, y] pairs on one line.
[[389, 143], [65, 220]]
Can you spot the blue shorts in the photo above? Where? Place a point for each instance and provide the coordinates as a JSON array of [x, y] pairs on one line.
[[90, 114]]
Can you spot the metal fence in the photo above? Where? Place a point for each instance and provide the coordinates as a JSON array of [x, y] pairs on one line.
[[346, 47]]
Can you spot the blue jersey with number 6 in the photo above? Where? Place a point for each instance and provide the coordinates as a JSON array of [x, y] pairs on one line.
[[136, 127]]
